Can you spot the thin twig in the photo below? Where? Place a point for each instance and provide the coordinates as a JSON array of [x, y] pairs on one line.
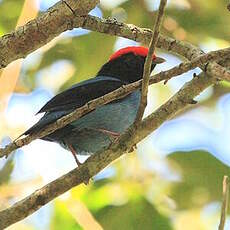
[[100, 160], [119, 93], [148, 62], [224, 207]]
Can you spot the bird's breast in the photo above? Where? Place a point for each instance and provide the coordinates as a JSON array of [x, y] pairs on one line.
[[86, 136], [116, 116]]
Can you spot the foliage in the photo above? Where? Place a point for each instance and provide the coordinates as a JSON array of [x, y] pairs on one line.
[[9, 20], [201, 178]]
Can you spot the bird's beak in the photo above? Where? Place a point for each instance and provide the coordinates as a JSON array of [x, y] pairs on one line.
[[158, 60]]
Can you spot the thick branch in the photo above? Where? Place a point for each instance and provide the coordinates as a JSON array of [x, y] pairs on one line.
[[39, 31], [138, 34], [119, 93], [9, 43], [99, 161]]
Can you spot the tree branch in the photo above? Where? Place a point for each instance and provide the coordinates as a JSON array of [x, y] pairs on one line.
[[143, 35], [119, 93], [133, 135], [95, 163], [148, 62], [224, 207], [37, 32], [12, 42]]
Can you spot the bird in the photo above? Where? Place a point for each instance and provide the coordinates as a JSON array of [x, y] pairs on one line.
[[97, 129]]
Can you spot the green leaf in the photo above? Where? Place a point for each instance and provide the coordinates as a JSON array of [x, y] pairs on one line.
[[6, 171], [62, 219], [136, 214], [202, 19], [9, 12], [201, 178]]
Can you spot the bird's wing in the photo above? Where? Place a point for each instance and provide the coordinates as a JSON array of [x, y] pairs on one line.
[[81, 93], [75, 97]]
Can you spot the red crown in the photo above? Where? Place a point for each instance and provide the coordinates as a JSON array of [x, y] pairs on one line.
[[137, 50]]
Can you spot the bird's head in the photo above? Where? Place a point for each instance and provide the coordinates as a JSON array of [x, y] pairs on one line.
[[127, 64]]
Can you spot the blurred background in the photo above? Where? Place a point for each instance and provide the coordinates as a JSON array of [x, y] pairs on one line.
[[174, 179]]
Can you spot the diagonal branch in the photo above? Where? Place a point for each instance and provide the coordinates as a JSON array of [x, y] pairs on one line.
[[99, 161], [10, 43], [144, 35], [37, 32], [119, 93], [148, 62]]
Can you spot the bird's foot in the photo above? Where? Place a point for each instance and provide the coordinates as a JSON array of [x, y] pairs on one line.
[[114, 136], [110, 133], [74, 153], [133, 148]]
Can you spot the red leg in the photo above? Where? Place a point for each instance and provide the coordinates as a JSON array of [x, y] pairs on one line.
[[75, 157], [74, 153], [110, 133]]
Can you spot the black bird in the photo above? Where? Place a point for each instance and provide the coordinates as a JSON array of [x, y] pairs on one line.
[[97, 129]]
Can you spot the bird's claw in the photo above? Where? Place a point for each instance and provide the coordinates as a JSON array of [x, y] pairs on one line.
[[133, 148]]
